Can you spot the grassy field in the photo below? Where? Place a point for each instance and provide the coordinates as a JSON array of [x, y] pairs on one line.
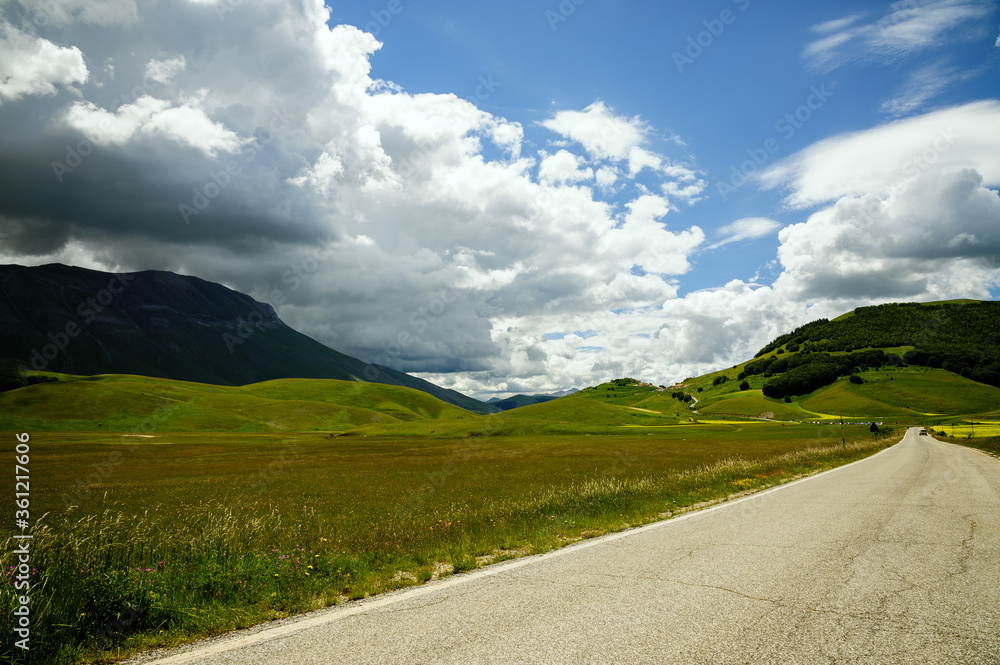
[[161, 537], [990, 444], [966, 429]]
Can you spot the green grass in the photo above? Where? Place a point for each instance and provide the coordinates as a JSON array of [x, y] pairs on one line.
[[752, 404], [990, 444], [196, 533], [902, 392], [120, 402]]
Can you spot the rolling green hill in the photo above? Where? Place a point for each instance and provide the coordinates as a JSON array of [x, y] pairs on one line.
[[128, 403], [961, 336], [894, 353]]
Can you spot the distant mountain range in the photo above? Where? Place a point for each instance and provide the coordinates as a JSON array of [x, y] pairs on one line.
[[159, 324], [517, 401]]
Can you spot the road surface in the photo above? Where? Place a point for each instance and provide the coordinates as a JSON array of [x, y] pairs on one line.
[[893, 559]]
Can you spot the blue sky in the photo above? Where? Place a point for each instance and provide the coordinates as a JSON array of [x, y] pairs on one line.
[[516, 197], [747, 75]]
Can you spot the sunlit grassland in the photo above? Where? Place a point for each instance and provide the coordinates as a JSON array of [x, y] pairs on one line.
[[967, 429], [911, 390], [117, 402], [752, 404], [183, 535]]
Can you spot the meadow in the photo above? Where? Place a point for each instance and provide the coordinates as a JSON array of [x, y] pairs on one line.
[[157, 538]]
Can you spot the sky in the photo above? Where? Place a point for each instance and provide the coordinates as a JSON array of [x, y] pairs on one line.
[[518, 197]]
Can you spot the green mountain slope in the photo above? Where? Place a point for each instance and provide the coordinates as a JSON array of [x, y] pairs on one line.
[[913, 360], [961, 336], [129, 403]]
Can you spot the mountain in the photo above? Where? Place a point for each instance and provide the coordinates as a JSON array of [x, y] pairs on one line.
[[159, 324], [520, 400]]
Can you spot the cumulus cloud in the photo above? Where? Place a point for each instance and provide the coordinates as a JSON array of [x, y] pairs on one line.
[[32, 65], [260, 152], [907, 28], [564, 166], [418, 231], [600, 131], [162, 71], [617, 145]]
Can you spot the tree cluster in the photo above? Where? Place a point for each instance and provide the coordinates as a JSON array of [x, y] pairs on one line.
[[959, 337]]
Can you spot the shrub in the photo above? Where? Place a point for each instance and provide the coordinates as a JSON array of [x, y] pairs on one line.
[[856, 379], [744, 386]]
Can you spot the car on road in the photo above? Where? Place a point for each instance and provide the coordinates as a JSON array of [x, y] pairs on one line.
[[923, 432]]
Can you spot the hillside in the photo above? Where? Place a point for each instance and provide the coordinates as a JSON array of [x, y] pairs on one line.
[[912, 360], [159, 324], [122, 403], [961, 336]]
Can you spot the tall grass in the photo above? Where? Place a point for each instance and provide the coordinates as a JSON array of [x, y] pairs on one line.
[[116, 579]]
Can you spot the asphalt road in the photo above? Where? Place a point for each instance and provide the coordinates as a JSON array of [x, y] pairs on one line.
[[893, 559]]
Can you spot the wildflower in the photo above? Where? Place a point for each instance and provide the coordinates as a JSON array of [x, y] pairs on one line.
[[310, 567], [307, 573], [276, 574]]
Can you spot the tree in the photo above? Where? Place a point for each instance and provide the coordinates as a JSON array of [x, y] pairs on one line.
[[744, 386], [856, 379]]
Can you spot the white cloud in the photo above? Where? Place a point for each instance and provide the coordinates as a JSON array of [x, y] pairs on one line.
[[882, 159], [601, 133], [162, 71], [923, 85], [150, 116], [907, 28], [748, 228], [563, 166], [837, 25], [363, 211], [35, 66]]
